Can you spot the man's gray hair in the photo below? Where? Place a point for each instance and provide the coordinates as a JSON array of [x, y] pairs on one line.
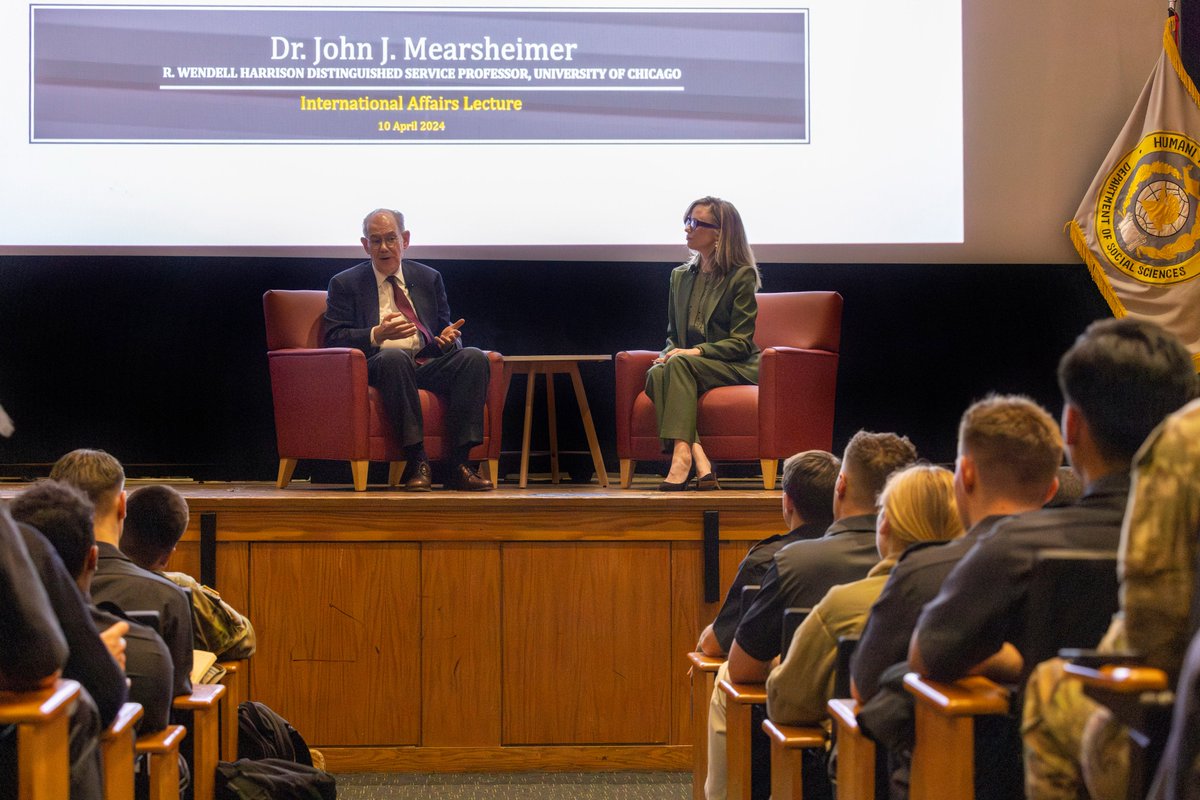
[[396, 215]]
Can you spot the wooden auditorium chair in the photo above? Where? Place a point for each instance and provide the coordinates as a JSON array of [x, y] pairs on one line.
[[703, 680], [43, 748], [745, 711], [202, 705], [788, 742], [237, 688], [790, 410], [324, 408], [1080, 588], [162, 752], [117, 753], [856, 754], [1140, 698]]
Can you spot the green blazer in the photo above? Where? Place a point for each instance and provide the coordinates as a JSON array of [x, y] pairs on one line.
[[730, 314]]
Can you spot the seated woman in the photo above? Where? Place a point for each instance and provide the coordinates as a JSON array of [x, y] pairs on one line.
[[710, 334], [916, 505]]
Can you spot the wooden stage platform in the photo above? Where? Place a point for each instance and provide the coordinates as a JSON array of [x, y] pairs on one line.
[[535, 629]]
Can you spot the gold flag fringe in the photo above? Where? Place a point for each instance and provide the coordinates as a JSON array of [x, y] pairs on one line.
[[1172, 51], [1098, 275]]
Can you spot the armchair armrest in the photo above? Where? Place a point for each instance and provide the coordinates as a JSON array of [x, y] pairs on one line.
[[320, 400], [943, 766], [1119, 679], [497, 392], [631, 367], [799, 386], [703, 677]]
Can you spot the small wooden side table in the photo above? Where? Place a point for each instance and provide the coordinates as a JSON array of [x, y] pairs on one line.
[[551, 366]]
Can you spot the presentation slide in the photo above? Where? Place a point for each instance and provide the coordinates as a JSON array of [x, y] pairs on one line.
[[498, 128]]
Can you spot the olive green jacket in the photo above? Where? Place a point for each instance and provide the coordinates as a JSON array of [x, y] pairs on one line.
[[730, 314]]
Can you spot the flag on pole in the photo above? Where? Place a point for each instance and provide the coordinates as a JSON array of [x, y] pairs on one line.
[[1138, 227]]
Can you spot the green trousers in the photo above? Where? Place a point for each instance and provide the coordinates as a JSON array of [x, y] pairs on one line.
[[676, 385]]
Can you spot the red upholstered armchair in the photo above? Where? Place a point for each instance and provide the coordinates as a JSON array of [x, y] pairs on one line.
[[325, 409], [791, 408]]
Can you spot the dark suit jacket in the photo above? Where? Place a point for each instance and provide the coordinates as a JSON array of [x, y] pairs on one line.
[[352, 306]]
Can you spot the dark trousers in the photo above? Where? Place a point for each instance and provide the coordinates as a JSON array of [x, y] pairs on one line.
[[459, 378]]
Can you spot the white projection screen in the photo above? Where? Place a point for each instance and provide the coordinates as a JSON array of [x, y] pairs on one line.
[[939, 130]]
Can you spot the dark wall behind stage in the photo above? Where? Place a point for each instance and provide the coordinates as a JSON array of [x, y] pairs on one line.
[[161, 361]]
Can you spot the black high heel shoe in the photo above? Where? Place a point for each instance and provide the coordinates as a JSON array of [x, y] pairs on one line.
[[668, 486], [706, 483]]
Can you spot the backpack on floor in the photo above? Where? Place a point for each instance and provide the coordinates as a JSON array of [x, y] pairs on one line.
[[263, 734], [272, 779]]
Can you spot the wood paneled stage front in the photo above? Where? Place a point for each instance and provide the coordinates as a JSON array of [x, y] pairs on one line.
[[544, 628]]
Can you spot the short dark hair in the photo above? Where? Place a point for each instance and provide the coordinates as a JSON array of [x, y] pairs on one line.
[[1015, 444], [1125, 376], [155, 517], [97, 473], [870, 458], [61, 513], [808, 481]]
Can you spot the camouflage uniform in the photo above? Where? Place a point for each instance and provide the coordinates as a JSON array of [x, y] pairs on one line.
[[216, 626], [1071, 742]]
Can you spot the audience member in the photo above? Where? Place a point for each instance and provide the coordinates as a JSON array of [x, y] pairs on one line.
[[917, 505], [35, 649], [808, 481], [156, 517], [1119, 380], [1008, 453], [801, 573], [118, 580], [94, 659], [62, 514], [1071, 744]]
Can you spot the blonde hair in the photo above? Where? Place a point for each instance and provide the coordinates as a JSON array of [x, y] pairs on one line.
[[920, 507], [733, 250]]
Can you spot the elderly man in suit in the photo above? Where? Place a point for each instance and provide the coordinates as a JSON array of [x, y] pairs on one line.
[[395, 311]]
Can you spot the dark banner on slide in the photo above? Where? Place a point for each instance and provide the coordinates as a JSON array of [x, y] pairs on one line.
[[199, 74]]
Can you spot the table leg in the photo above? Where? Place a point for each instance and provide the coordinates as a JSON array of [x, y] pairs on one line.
[[588, 427], [532, 376], [553, 427]]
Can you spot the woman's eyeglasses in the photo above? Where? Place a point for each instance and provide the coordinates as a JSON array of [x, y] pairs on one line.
[[692, 222]]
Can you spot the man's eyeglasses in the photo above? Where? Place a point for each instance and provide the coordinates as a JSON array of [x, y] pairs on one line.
[[693, 223]]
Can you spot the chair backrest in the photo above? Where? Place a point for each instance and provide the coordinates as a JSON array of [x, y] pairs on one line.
[[293, 318], [793, 618], [806, 320], [846, 645], [1078, 588]]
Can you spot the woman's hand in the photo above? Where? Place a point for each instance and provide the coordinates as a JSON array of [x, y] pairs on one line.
[[690, 351]]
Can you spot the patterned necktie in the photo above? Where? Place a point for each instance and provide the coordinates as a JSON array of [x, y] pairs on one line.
[[406, 308]]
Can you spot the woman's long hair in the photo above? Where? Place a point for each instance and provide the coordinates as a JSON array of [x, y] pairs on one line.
[[920, 506], [733, 251]]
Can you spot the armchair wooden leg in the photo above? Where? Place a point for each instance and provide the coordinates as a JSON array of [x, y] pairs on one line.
[[770, 468], [395, 471], [492, 473], [286, 467], [627, 465], [358, 469]]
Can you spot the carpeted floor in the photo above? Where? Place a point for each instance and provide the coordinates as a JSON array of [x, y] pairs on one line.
[[516, 786]]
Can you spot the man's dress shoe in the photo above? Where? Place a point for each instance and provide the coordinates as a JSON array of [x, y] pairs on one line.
[[417, 477], [465, 479]]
